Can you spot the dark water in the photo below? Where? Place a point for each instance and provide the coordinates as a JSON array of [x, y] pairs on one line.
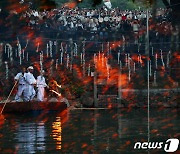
[[86, 131]]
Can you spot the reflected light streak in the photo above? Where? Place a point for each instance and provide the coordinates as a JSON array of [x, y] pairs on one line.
[[56, 132]]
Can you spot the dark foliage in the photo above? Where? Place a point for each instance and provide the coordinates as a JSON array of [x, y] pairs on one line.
[[96, 2]]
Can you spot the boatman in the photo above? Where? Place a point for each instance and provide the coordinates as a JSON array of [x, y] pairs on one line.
[[41, 84], [22, 85], [31, 82]]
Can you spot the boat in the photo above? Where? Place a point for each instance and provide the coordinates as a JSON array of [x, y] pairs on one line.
[[14, 107]]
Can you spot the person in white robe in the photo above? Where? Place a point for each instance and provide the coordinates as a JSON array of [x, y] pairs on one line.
[[22, 85], [31, 82], [41, 84]]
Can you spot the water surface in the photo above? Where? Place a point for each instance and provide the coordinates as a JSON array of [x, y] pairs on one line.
[[92, 131]]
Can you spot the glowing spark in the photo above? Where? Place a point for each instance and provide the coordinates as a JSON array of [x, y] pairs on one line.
[[59, 94]]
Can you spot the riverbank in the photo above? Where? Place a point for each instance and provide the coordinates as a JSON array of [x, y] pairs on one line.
[[134, 98]]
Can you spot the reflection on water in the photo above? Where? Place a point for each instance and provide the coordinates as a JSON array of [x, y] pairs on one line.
[[56, 132], [30, 137], [93, 131]]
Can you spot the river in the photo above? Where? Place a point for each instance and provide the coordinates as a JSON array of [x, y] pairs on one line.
[[87, 131]]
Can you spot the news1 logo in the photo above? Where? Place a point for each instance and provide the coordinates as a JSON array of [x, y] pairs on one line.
[[171, 145]]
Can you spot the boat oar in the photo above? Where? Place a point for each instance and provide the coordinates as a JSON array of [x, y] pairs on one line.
[[8, 96]]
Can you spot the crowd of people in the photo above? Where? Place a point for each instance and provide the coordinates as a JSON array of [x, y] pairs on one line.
[[101, 25]]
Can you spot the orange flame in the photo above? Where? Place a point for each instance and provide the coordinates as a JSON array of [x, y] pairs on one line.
[[70, 5]]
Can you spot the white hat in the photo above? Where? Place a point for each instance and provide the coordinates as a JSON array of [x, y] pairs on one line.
[[30, 68]]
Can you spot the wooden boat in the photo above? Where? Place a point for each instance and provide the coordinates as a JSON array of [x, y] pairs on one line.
[[14, 107]]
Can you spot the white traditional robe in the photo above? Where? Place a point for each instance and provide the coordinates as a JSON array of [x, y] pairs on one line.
[[22, 85], [31, 81], [41, 84]]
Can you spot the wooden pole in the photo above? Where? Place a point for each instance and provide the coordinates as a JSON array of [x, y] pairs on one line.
[[8, 96]]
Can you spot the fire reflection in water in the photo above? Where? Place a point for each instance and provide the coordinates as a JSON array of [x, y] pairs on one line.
[[56, 132]]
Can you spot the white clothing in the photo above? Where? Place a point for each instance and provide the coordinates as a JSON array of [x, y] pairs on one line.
[[30, 78], [135, 27], [108, 4], [21, 78], [21, 87], [36, 14], [41, 84], [30, 92]]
